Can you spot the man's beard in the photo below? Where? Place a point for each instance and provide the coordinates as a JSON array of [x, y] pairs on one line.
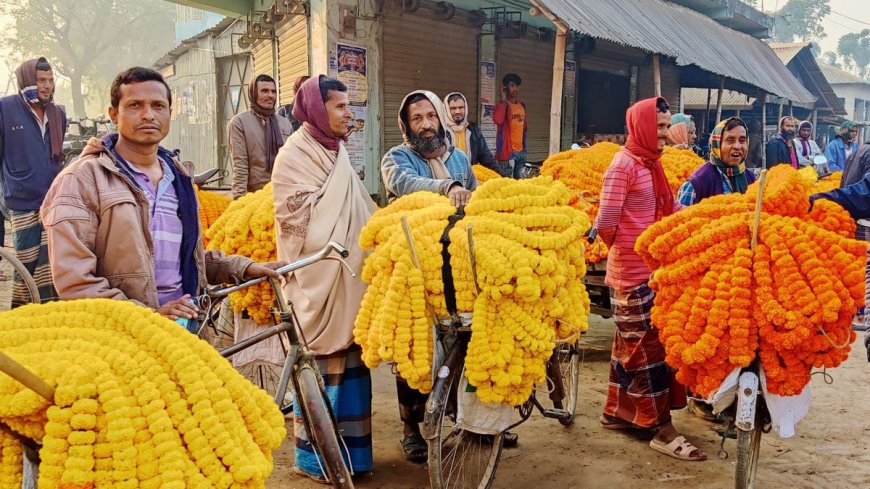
[[426, 145]]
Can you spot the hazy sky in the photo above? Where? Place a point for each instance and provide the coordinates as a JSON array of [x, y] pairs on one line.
[[837, 24]]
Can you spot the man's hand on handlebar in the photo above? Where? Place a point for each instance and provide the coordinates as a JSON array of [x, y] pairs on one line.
[[459, 196], [257, 270], [179, 308]]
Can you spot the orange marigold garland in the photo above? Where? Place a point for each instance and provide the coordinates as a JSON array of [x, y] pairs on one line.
[[790, 300], [483, 174], [211, 206]]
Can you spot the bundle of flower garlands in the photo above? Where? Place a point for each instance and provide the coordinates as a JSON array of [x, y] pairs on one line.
[[679, 165], [211, 206], [529, 262], [139, 402], [247, 228], [484, 174], [830, 182], [582, 171], [791, 298]]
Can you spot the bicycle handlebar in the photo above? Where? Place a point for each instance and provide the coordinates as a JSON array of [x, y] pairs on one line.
[[218, 291]]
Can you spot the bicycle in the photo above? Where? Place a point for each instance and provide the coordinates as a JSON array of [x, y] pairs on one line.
[[459, 458], [32, 291], [299, 368]]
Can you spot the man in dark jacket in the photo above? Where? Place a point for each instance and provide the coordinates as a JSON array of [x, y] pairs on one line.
[[31, 154], [467, 136], [780, 150]]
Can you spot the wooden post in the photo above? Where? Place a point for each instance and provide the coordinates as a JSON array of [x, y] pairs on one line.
[[790, 109], [27, 378], [763, 99], [719, 100], [779, 117], [657, 75], [814, 119], [706, 113], [558, 85]]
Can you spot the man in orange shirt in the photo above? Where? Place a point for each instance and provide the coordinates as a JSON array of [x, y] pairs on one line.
[[511, 123]]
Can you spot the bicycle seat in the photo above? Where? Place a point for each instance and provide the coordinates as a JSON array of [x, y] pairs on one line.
[[205, 176]]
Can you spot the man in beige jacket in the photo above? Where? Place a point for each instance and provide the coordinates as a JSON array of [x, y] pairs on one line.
[[122, 220], [255, 137]]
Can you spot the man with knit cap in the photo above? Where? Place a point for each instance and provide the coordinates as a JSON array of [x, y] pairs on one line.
[[255, 137], [636, 194], [841, 148], [807, 149], [467, 135], [318, 198], [31, 156]]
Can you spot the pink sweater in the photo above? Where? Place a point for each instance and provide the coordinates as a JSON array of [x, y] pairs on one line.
[[627, 208]]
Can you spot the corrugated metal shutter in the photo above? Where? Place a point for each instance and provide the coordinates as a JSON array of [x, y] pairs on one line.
[[261, 50], [421, 52], [292, 55], [532, 60]]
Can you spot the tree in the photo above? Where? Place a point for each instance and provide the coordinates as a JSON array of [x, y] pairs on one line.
[[87, 39], [854, 48], [801, 19], [831, 58]]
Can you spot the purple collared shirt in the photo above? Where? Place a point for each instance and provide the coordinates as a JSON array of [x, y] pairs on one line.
[[166, 231]]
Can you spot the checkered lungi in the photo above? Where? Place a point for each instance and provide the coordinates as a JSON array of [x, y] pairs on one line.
[[31, 249], [642, 389]]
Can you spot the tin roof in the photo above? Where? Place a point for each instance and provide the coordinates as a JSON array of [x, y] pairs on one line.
[[696, 99], [689, 37], [799, 59], [836, 76]]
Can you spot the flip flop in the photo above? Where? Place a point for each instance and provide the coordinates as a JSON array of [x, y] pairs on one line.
[[610, 423], [415, 449], [320, 480], [679, 448]]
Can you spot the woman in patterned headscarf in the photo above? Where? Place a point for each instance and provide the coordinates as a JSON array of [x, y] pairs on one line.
[[725, 173]]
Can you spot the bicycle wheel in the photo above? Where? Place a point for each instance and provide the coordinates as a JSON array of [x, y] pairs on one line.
[[458, 459], [321, 426], [563, 380], [27, 294], [748, 449]]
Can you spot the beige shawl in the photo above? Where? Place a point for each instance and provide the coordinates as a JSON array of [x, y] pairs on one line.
[[319, 198]]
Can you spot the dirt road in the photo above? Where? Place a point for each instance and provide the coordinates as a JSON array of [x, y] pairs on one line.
[[830, 451]]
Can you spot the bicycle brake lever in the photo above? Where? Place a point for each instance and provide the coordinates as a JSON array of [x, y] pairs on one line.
[[346, 264], [341, 250]]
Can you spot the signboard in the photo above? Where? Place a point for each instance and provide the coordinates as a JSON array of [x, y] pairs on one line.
[[487, 83], [351, 67], [487, 125], [356, 142]]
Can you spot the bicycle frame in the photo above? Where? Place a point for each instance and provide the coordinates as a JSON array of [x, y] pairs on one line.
[[748, 391]]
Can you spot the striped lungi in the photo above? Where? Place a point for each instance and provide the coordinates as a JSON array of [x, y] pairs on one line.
[[349, 389], [642, 389], [31, 249]]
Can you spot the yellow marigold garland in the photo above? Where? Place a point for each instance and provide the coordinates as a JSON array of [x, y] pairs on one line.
[[791, 299], [484, 174], [247, 228], [139, 402], [529, 251], [211, 206]]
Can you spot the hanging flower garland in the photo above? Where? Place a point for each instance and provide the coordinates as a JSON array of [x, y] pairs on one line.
[[790, 299], [139, 402], [211, 206], [483, 174]]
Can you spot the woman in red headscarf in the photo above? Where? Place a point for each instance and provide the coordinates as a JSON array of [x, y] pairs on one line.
[[318, 198], [635, 195]]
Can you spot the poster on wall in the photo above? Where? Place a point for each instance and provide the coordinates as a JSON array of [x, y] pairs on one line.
[[356, 142], [351, 68], [487, 83], [487, 126], [570, 79]]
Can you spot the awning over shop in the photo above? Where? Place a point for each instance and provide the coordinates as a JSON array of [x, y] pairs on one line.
[[657, 26]]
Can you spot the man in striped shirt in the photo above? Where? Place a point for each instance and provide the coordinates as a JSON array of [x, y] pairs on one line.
[[642, 389]]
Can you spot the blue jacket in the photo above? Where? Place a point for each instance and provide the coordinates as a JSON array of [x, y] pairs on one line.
[[26, 166], [855, 198], [836, 153], [404, 171]]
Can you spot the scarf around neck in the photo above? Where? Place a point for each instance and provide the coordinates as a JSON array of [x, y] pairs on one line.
[[309, 108], [736, 174], [26, 77], [642, 145], [274, 138]]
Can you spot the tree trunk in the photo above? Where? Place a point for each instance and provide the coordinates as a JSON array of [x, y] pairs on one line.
[[78, 98]]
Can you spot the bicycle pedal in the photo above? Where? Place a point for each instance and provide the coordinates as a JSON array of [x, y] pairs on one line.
[[557, 414]]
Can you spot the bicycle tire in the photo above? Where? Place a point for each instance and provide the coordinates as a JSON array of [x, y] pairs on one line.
[[18, 267], [748, 450], [434, 422], [321, 426], [571, 383]]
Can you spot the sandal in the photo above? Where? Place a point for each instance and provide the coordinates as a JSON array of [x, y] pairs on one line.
[[611, 423], [318, 479], [415, 449], [679, 448]]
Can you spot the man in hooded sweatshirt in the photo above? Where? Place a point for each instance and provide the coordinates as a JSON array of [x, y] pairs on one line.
[[31, 143], [255, 137], [780, 150], [427, 160], [841, 148], [467, 135], [635, 194]]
